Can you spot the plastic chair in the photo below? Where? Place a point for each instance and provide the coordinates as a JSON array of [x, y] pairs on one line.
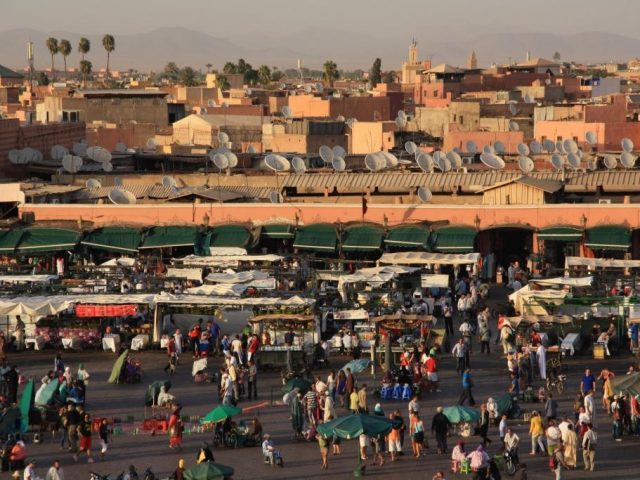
[[407, 392], [465, 467], [386, 393], [397, 392]]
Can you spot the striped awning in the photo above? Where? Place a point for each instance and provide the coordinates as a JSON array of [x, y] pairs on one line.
[[561, 233]]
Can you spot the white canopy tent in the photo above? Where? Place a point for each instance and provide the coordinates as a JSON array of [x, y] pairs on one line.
[[428, 258], [224, 260], [526, 303], [568, 281], [240, 277], [27, 278], [593, 263], [187, 273]]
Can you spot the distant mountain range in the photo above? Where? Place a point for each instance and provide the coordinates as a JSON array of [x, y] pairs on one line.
[[152, 50]]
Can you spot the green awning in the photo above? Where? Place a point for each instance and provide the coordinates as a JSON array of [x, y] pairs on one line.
[[362, 238], [609, 237], [277, 231], [408, 236], [321, 237], [114, 239], [166, 237], [47, 240], [455, 240], [230, 236], [561, 233], [9, 240]]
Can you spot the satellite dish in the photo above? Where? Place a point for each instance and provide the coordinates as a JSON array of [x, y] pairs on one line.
[[627, 145], [79, 149], [401, 122], [489, 150], [276, 197], [410, 148], [211, 103], [438, 155], [628, 159], [107, 167], [58, 152], [444, 164], [374, 163], [339, 164], [580, 153], [248, 92], [557, 161], [391, 161], [340, 118], [326, 154], [102, 155], [512, 108], [610, 161], [549, 146], [277, 163], [402, 115], [471, 146], [151, 144], [526, 164], [573, 160], [232, 159], [223, 137], [93, 183], [14, 156], [513, 126], [251, 149], [298, 165], [286, 111], [523, 149], [498, 146], [424, 194], [592, 164], [121, 147], [535, 147], [169, 181], [117, 181], [492, 161], [319, 88], [591, 138], [308, 89], [454, 159], [120, 196], [425, 162], [71, 163], [350, 122], [570, 146], [338, 151], [221, 161]]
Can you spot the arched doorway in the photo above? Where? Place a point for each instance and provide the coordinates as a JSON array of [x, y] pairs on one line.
[[508, 243]]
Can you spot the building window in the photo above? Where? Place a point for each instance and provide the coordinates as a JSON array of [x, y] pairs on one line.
[[455, 118], [558, 138], [70, 116], [543, 138], [461, 119], [435, 94]]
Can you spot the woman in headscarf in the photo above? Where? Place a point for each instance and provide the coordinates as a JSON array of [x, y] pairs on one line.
[[297, 414], [570, 444], [175, 429]]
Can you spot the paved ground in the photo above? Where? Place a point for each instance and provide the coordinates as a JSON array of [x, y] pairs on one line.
[[615, 461]]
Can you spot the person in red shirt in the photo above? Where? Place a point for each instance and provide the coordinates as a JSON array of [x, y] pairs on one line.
[[252, 348], [432, 373], [535, 338]]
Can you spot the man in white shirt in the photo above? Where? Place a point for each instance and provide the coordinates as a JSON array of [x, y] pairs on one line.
[[55, 472], [29, 471], [511, 443], [236, 348]]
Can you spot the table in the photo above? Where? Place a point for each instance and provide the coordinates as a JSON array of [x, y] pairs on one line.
[[139, 342], [37, 341], [111, 342], [71, 342]]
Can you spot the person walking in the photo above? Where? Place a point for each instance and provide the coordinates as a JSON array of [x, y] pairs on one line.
[[393, 439], [557, 461], [417, 435], [459, 352], [440, 425], [175, 429], [537, 433], [467, 385], [103, 433], [485, 418], [323, 443], [55, 472], [550, 408], [589, 442], [252, 375], [84, 431]]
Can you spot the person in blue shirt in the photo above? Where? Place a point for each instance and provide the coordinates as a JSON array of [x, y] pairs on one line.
[[215, 336], [514, 388], [467, 385], [588, 383], [635, 329]]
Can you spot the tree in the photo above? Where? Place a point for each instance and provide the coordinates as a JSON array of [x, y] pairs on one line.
[[264, 75], [389, 77], [230, 68], [250, 76], [42, 78], [208, 65], [243, 66], [109, 44], [330, 73], [375, 75], [64, 47], [52, 45], [556, 57], [85, 68], [84, 45], [276, 75], [188, 77], [223, 83], [171, 72]]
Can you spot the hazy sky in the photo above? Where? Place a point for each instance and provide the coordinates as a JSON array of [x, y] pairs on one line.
[[389, 19]]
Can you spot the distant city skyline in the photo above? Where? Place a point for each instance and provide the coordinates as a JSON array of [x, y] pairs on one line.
[[352, 33]]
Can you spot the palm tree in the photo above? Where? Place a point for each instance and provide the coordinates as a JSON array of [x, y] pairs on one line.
[[52, 45], [85, 69], [109, 44], [330, 72], [264, 75], [84, 45], [208, 65], [64, 47]]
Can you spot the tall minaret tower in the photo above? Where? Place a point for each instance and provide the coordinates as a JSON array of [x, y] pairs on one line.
[[413, 52], [473, 61]]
